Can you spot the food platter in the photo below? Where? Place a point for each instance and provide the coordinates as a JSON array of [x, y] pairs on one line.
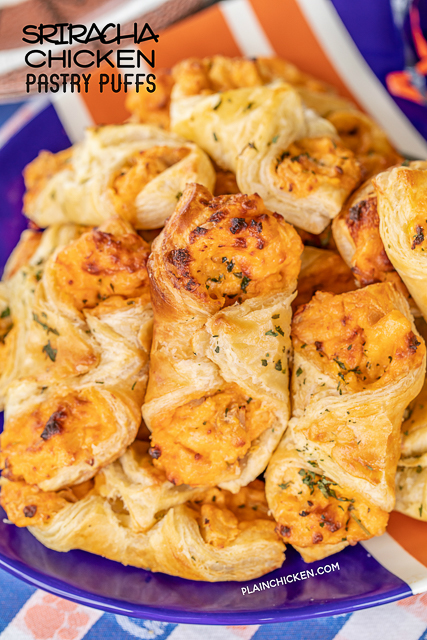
[[348, 581]]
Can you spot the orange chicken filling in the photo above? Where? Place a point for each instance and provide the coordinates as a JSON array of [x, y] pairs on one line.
[[38, 173], [328, 273], [366, 141], [203, 442], [224, 515], [359, 337], [27, 505], [138, 171], [311, 509], [58, 433], [311, 163], [238, 250], [99, 265]]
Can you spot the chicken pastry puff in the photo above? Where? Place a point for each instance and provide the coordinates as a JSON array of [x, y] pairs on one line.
[[357, 236], [133, 515], [316, 515], [222, 276], [276, 147], [402, 193], [81, 336], [135, 171], [358, 362], [411, 477]]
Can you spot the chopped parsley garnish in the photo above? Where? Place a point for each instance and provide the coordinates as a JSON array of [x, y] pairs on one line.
[[264, 363], [299, 372], [5, 313], [271, 333], [49, 351], [244, 283], [44, 325]]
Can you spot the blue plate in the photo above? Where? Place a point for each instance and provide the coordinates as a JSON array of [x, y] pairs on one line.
[[345, 582]]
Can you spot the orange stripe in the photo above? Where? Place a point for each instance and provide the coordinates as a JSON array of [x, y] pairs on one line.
[[204, 34], [106, 107], [293, 40], [410, 534]]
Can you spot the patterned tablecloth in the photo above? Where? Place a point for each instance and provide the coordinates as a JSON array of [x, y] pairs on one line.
[[31, 614]]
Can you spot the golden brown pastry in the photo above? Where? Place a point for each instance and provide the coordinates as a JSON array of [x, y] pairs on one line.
[[358, 362], [322, 270], [316, 515], [401, 194], [133, 515], [411, 477], [137, 172], [276, 147], [366, 140], [78, 362], [206, 76], [222, 276]]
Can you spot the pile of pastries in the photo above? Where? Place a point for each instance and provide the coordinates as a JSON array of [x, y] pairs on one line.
[[212, 331]]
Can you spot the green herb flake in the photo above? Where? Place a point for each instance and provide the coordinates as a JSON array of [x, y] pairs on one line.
[[5, 313], [271, 333], [49, 351], [299, 372], [285, 485], [44, 325], [264, 363]]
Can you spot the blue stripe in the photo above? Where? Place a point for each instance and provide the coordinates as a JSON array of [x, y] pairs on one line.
[[13, 595], [321, 629]]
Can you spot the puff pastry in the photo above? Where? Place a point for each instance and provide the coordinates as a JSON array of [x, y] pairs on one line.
[[217, 398], [276, 147], [78, 365], [133, 515], [358, 362], [316, 515], [401, 194], [411, 477], [135, 171]]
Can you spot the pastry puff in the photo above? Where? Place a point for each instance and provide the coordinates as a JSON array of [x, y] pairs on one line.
[[358, 362], [217, 399], [135, 171], [133, 515], [356, 232], [315, 514], [82, 331], [411, 477], [276, 147], [401, 194]]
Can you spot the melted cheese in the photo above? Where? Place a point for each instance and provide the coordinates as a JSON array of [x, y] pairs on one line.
[[239, 250], [358, 337], [311, 509], [138, 171], [99, 265], [312, 162], [206, 439], [57, 433]]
